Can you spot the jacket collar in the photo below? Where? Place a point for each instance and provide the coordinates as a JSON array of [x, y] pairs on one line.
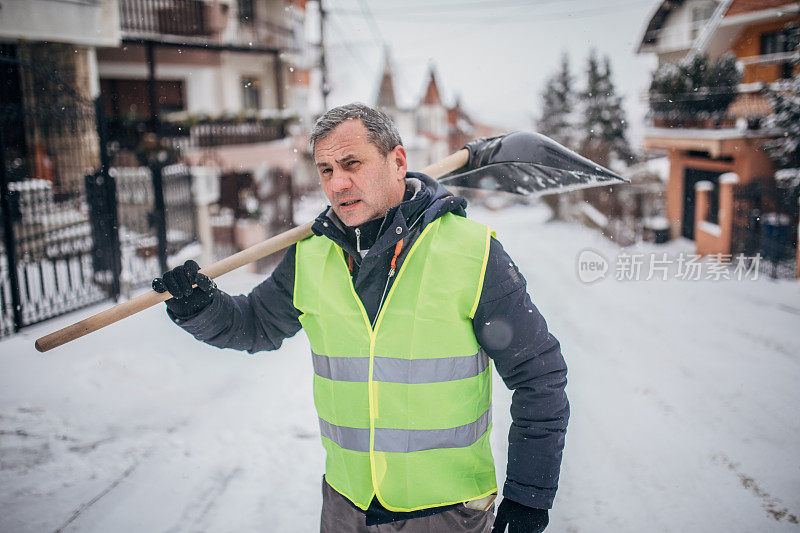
[[429, 201]]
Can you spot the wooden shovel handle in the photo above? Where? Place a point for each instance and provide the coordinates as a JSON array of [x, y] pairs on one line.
[[151, 298], [223, 266]]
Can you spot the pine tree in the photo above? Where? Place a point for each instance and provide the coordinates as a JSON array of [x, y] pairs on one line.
[[558, 106], [785, 148], [603, 123], [556, 118], [785, 118]]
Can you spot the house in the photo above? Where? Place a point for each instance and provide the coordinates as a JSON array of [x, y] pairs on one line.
[[48, 144], [720, 177], [430, 128], [63, 36], [225, 82], [217, 76], [83, 219]]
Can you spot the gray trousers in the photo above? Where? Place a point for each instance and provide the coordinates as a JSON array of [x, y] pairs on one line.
[[339, 516]]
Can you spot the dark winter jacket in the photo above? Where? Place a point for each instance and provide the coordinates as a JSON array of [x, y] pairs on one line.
[[506, 323]]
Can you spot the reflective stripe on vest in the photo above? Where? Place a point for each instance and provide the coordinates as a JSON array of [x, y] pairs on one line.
[[407, 440], [404, 409], [395, 370]]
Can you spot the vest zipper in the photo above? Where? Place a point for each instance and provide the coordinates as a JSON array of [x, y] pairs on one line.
[[383, 296], [392, 269]]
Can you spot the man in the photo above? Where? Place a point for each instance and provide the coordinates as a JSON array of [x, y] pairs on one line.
[[405, 302]]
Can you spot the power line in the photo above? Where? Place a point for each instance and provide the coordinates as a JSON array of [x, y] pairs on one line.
[[460, 4], [479, 5], [374, 23], [324, 85], [473, 14], [350, 49]]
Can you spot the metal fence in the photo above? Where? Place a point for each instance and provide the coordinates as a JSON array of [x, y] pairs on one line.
[[764, 218], [75, 231], [153, 232]]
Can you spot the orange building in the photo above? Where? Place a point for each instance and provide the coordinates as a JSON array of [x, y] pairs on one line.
[[716, 165]]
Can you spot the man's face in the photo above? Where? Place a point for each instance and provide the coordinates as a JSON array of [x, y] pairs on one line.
[[359, 182]]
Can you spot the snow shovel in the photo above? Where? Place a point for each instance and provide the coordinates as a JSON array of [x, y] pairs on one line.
[[521, 163]]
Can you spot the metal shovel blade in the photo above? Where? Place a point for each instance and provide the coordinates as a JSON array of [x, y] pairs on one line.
[[530, 164], [529, 179]]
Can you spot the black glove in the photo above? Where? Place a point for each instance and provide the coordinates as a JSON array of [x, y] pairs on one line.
[[483, 151], [186, 301], [519, 518]]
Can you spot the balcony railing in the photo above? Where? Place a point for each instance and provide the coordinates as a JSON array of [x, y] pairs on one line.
[[692, 122], [228, 132], [748, 106], [767, 59], [195, 21], [163, 17], [204, 133]]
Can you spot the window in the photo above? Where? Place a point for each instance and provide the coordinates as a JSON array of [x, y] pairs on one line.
[[780, 42], [774, 43], [251, 92], [246, 11]]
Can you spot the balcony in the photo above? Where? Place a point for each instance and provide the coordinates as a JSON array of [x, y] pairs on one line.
[[769, 68], [226, 132], [185, 132], [199, 23], [725, 121], [180, 18], [745, 112]]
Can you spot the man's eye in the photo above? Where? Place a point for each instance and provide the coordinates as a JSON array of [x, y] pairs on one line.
[[351, 164], [325, 171]]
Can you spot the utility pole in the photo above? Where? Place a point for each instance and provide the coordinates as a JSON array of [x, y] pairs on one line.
[[152, 94], [325, 87]]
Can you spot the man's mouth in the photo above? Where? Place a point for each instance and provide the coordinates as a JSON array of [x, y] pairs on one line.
[[349, 203]]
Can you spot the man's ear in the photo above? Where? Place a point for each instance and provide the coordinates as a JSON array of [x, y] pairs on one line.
[[398, 159]]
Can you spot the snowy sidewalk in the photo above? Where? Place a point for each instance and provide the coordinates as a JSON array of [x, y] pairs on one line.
[[682, 395]]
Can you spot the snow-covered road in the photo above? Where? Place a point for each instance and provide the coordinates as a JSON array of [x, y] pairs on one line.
[[684, 398]]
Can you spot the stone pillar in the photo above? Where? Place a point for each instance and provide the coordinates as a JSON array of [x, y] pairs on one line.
[[247, 233], [674, 193], [726, 183], [701, 203], [205, 188]]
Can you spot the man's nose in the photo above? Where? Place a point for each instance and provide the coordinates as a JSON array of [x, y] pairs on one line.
[[340, 181]]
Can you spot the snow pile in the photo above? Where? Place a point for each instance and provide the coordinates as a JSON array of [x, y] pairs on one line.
[[682, 395]]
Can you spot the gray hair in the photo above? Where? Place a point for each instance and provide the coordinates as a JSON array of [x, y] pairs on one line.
[[381, 129]]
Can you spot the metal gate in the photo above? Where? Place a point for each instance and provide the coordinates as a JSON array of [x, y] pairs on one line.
[[48, 142], [75, 231], [764, 218], [156, 217]]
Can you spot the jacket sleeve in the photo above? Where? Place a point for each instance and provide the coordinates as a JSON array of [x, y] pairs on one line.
[[528, 357], [254, 322]]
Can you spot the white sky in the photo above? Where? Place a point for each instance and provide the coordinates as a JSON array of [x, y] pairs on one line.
[[495, 54]]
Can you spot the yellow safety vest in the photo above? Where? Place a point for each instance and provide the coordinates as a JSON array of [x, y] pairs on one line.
[[404, 409]]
